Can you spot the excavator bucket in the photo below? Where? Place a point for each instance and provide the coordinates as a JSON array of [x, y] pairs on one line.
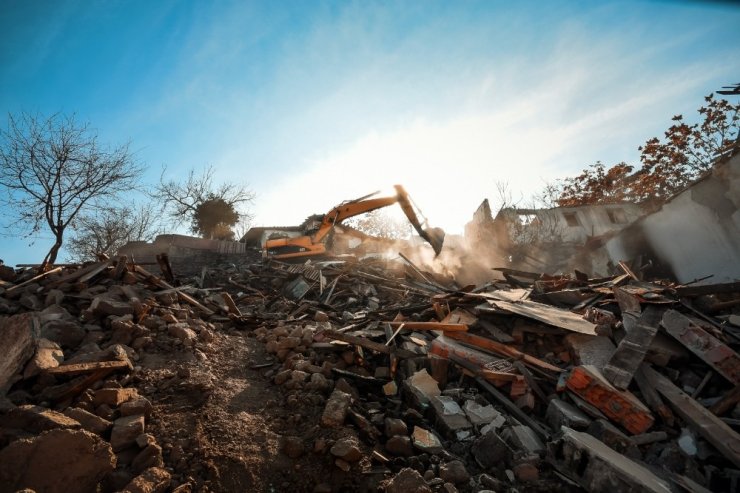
[[434, 236]]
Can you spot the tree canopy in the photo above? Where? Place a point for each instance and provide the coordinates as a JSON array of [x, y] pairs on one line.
[[211, 209], [214, 219], [53, 168], [668, 165]]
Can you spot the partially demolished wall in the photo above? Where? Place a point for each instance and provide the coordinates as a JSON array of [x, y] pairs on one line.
[[695, 234]]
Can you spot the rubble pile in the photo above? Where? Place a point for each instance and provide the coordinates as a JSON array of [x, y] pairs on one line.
[[384, 378], [71, 416], [535, 383]]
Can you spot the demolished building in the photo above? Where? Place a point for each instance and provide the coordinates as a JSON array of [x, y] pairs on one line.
[[560, 239], [373, 374], [694, 235]]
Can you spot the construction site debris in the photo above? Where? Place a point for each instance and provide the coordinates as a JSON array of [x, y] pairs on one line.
[[384, 376]]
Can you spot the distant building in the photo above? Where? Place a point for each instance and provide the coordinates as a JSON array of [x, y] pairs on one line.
[[549, 240]]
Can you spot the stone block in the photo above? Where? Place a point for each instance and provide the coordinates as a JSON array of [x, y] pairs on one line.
[[597, 467], [35, 419], [89, 421], [153, 480], [17, 343], [57, 461], [125, 431], [524, 439], [114, 397], [336, 409], [426, 441], [449, 414], [562, 413], [48, 355]]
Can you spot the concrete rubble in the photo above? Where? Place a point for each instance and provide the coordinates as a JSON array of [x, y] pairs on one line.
[[404, 380]]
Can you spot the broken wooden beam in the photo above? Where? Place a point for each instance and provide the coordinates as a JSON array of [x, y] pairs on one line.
[[79, 368], [691, 291], [652, 398], [623, 265], [712, 428], [501, 349], [416, 270], [121, 267], [34, 279], [164, 285], [232, 308], [541, 312], [164, 265], [368, 344], [445, 327], [726, 402], [94, 272], [711, 350], [597, 467]]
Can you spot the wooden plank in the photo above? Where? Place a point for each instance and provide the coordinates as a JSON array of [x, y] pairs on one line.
[[711, 350], [34, 279], [394, 334], [120, 267], [430, 326], [627, 270], [727, 402], [530, 380], [182, 296], [72, 276], [501, 349], [498, 376], [691, 291], [78, 368], [233, 309], [164, 265], [368, 344], [77, 385], [94, 272], [547, 314], [415, 269], [652, 398], [712, 428]]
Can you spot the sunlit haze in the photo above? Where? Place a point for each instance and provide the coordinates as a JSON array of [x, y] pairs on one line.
[[312, 103]]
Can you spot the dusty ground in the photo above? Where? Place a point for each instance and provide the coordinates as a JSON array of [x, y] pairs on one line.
[[220, 421]]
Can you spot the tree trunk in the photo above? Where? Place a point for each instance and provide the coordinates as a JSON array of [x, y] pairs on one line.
[[51, 257]]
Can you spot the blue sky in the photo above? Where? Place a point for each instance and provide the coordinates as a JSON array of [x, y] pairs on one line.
[[311, 103]]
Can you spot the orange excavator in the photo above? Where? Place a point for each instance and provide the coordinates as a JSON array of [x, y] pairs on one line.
[[314, 242]]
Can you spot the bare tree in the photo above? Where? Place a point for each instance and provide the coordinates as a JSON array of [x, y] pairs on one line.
[[184, 201], [107, 229], [242, 226], [52, 168]]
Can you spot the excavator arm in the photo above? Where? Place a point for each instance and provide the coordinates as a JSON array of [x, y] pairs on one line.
[[315, 244]]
